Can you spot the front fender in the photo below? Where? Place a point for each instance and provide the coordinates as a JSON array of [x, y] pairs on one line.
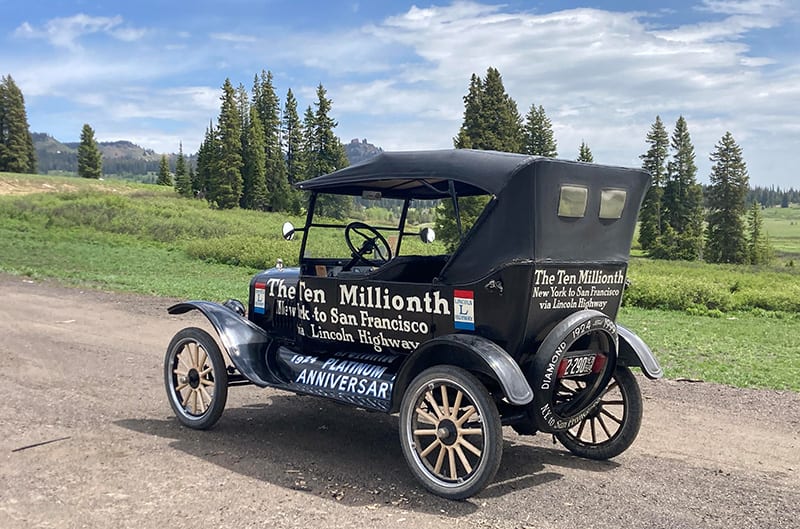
[[473, 353], [634, 352], [244, 342]]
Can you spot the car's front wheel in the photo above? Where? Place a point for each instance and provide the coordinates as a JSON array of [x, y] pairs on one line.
[[450, 432], [612, 424], [196, 379]]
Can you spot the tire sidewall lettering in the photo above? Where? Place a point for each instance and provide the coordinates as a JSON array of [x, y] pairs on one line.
[[547, 360]]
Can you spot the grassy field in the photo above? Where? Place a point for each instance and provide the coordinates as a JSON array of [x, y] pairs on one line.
[[733, 325]]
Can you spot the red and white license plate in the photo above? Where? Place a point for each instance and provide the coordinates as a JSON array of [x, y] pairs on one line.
[[576, 366]]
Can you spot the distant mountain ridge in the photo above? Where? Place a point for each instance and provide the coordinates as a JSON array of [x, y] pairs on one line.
[[123, 157]]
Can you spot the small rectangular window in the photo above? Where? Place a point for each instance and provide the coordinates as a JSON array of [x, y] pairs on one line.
[[573, 201], [612, 203]]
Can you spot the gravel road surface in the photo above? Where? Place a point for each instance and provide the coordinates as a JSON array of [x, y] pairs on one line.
[[81, 372]]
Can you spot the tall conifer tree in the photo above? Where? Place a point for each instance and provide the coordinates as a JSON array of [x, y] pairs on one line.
[[324, 153], [183, 182], [585, 153], [17, 154], [725, 234], [539, 139], [164, 178], [654, 161], [268, 105], [254, 192], [491, 122], [225, 186], [759, 249], [90, 161], [682, 202]]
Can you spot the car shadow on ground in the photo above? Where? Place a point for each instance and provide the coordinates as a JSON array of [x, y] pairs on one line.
[[343, 454]]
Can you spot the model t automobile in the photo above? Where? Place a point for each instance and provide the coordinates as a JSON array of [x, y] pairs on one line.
[[515, 327]]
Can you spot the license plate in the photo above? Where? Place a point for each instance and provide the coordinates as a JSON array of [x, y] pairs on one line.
[[576, 366]]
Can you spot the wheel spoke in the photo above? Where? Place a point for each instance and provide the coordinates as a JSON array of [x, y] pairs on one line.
[[594, 433], [469, 411], [424, 416], [469, 446], [431, 447], [180, 373], [205, 393], [193, 354], [206, 371], [460, 453], [206, 382], [445, 402], [470, 431], [610, 416], [202, 363], [440, 459], [425, 431], [603, 425], [610, 387], [457, 403], [580, 430], [181, 386], [185, 402], [434, 404], [613, 402], [451, 460], [181, 355], [194, 402]]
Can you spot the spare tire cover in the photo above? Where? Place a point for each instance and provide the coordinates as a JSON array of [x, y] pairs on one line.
[[552, 412]]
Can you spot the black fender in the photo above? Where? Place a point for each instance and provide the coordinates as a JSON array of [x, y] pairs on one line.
[[473, 353], [634, 352], [245, 343]]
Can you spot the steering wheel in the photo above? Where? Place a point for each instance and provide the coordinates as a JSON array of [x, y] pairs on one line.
[[373, 242]]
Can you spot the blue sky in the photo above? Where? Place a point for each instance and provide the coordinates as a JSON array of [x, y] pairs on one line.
[[151, 71]]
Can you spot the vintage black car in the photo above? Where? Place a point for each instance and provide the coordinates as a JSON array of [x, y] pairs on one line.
[[516, 327]]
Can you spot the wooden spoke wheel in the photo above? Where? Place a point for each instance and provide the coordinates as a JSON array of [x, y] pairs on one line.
[[450, 432], [196, 379], [613, 423]]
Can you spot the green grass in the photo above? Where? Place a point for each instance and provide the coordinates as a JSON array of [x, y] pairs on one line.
[[727, 324], [783, 227], [741, 350]]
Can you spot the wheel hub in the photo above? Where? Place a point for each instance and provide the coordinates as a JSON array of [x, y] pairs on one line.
[[447, 432], [193, 377]]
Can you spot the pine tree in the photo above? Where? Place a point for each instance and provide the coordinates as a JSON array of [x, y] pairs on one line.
[[653, 161], [192, 178], [324, 153], [90, 161], [759, 249], [585, 153], [269, 107], [292, 139], [183, 181], [785, 200], [471, 130], [538, 133], [206, 161], [254, 189], [491, 122], [164, 176], [17, 154], [682, 202], [725, 238], [225, 184]]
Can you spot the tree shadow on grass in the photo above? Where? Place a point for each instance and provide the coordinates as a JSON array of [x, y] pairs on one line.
[[341, 453]]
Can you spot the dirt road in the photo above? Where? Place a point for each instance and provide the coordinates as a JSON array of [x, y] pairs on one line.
[[83, 369]]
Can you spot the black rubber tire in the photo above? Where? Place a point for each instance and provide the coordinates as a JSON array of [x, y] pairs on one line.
[[457, 445], [620, 407], [188, 379]]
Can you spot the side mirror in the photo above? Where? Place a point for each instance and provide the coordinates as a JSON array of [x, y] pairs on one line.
[[288, 230], [427, 235]]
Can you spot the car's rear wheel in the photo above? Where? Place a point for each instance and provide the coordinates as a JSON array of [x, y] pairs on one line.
[[196, 379], [450, 432], [613, 423]]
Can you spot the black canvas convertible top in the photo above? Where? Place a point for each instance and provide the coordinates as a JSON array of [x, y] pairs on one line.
[[522, 222], [424, 174]]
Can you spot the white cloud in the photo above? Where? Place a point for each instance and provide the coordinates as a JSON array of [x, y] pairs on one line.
[[65, 32]]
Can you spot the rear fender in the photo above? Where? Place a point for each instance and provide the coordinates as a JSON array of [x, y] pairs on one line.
[[634, 352], [244, 342], [473, 353]]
